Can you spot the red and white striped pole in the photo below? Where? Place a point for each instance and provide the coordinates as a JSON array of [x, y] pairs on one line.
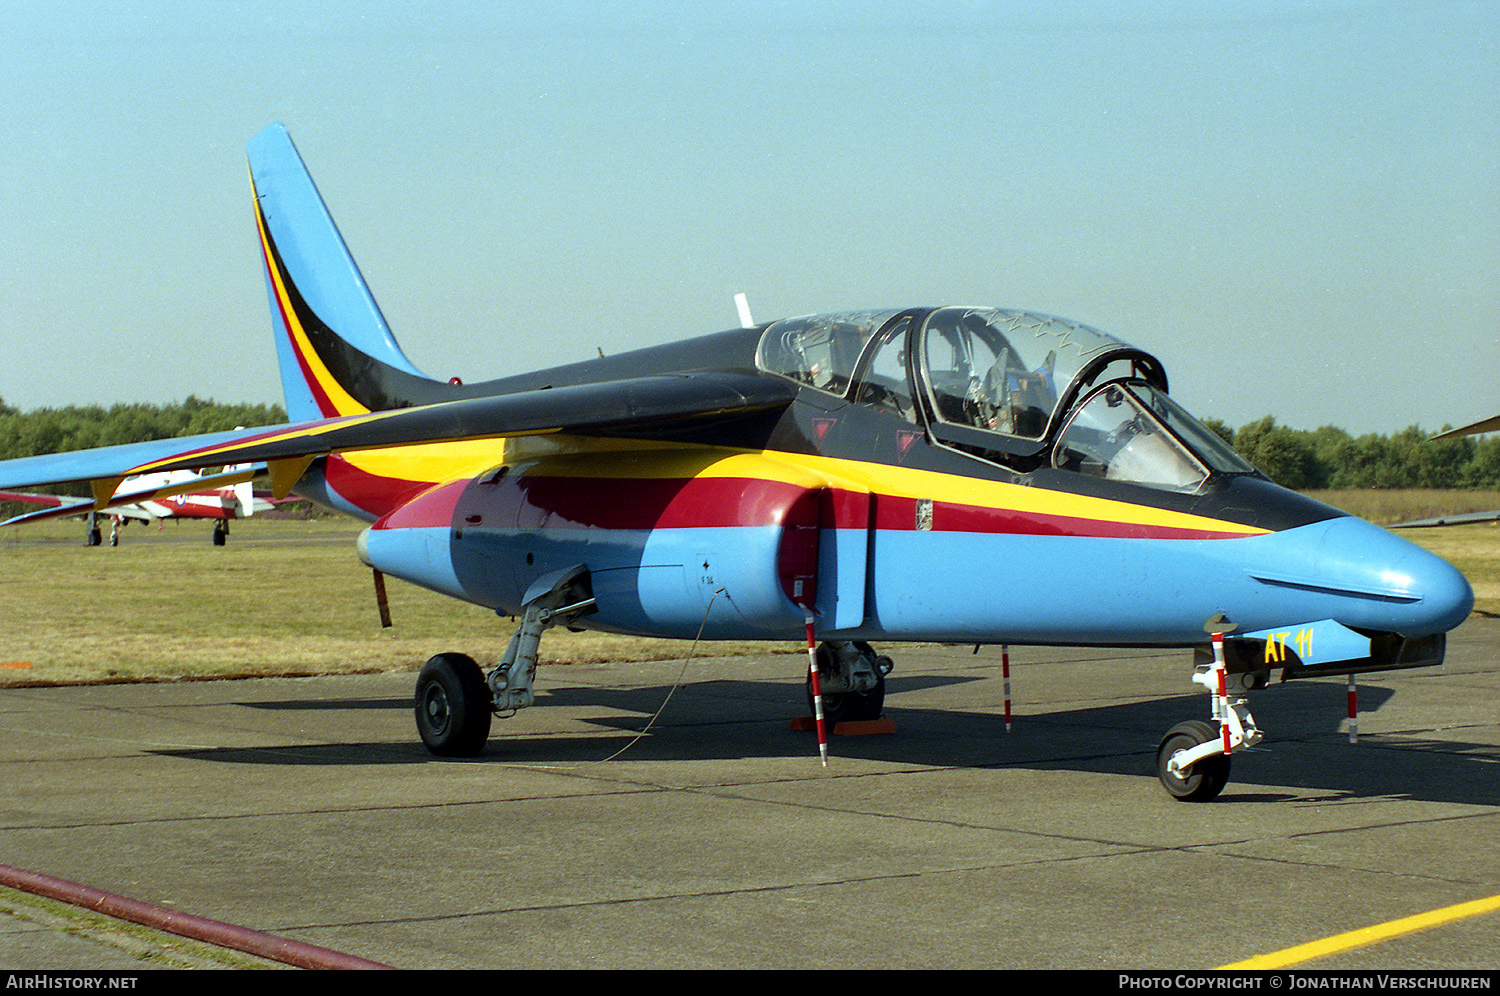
[[1222, 706], [1005, 674], [1353, 712], [817, 691]]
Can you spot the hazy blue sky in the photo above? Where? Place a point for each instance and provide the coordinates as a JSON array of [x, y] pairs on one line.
[[1295, 205]]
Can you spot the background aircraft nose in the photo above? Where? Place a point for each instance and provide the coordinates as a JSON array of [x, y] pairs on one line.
[[1418, 592]]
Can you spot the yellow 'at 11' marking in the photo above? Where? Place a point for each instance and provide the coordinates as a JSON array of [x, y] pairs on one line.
[[1276, 645]]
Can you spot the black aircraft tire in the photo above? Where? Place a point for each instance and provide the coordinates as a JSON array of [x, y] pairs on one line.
[[452, 706], [844, 707], [1206, 778]]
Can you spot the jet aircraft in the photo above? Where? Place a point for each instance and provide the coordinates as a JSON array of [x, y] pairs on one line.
[[154, 497], [887, 475]]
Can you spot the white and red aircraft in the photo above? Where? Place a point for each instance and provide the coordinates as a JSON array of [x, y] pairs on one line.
[[175, 494]]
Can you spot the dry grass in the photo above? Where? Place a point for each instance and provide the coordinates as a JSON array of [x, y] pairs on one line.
[[282, 598], [291, 598], [1386, 508]]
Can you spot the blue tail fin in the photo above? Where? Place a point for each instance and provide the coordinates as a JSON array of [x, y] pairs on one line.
[[336, 353]]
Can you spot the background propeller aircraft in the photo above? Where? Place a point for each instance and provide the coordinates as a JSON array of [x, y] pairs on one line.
[[177, 494], [960, 474]]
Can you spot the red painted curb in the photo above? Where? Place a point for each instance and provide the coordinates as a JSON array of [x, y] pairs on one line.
[[224, 935]]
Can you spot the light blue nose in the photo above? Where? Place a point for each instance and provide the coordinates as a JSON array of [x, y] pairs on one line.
[[1377, 579]]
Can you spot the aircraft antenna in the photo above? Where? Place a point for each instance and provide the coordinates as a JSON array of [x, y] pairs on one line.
[[742, 303]]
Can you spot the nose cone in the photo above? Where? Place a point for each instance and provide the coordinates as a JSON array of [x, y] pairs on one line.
[[1379, 580]]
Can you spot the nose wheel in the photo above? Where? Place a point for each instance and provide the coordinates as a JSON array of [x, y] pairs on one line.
[[1199, 780]]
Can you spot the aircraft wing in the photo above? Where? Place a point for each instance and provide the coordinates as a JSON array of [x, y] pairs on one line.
[[30, 498], [630, 406], [1483, 425], [1448, 520], [79, 507]]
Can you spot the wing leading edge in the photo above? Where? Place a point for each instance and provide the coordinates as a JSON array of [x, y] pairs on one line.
[[1483, 425]]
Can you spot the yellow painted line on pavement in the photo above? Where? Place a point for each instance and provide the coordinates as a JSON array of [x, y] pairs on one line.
[[1366, 936]]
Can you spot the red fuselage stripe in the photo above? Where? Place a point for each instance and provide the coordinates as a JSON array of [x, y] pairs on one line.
[[706, 502]]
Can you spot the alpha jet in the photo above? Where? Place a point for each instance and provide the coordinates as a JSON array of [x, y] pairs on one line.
[[955, 474]]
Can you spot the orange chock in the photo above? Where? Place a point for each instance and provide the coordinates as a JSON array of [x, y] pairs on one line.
[[848, 728]]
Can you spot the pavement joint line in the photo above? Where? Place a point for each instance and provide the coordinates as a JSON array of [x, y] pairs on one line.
[[1131, 848], [1380, 872], [330, 811], [710, 893], [656, 897], [29, 731]]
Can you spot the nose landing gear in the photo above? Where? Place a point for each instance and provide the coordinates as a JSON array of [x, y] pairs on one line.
[[1192, 760]]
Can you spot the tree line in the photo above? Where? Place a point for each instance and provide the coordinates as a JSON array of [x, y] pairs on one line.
[[1329, 457], [58, 430], [1301, 459]]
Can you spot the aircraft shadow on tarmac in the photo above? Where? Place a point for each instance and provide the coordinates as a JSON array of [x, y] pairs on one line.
[[1306, 745]]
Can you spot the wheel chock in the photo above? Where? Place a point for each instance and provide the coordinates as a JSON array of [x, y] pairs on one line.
[[848, 728], [865, 727]]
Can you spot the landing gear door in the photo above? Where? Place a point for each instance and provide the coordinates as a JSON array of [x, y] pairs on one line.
[[843, 557], [824, 554]]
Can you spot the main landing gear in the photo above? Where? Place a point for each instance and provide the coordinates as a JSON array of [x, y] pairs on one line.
[[455, 699], [851, 677], [1193, 758]]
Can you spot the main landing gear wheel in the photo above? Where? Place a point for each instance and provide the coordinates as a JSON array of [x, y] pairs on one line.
[[453, 706], [845, 707], [1207, 777]]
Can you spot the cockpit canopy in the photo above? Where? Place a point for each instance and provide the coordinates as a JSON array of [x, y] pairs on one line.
[[1022, 389]]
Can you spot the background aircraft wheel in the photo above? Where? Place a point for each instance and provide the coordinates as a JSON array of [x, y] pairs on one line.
[[453, 706], [1206, 778]]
